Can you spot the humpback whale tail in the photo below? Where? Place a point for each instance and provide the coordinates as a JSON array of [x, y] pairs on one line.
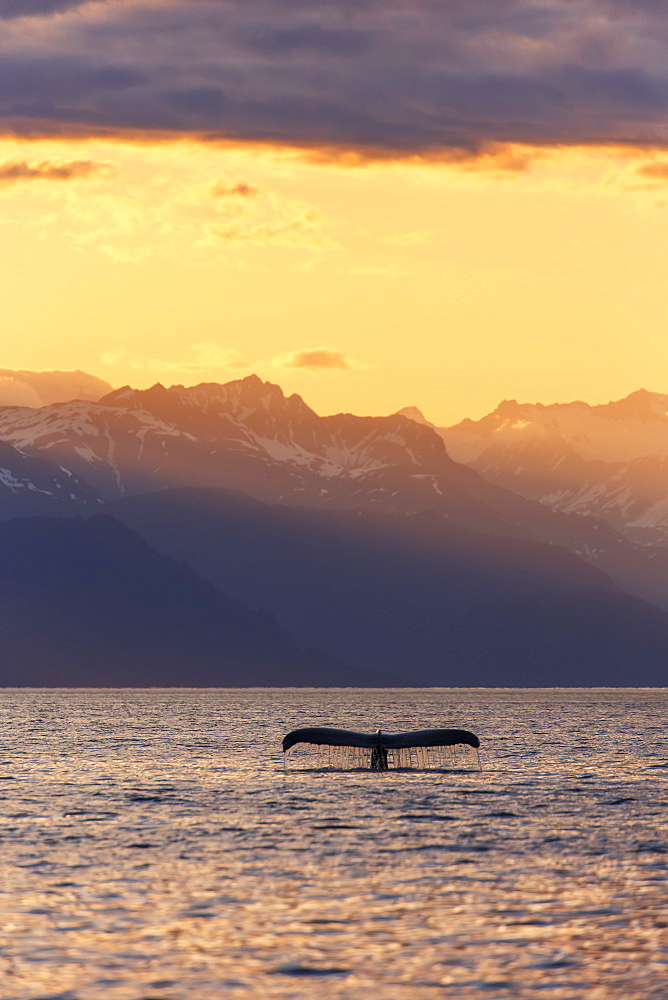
[[378, 751]]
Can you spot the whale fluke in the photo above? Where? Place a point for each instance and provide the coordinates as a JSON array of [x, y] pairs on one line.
[[323, 736]]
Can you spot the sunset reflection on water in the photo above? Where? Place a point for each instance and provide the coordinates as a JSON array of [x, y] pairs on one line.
[[153, 846]]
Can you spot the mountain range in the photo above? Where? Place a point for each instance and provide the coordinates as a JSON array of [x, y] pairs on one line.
[[246, 435], [365, 537], [608, 461]]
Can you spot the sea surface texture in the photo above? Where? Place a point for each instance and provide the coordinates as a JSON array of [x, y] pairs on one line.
[[153, 846]]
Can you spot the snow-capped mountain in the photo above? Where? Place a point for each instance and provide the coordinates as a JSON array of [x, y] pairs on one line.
[[403, 546], [115, 449], [30, 486], [609, 460], [247, 436]]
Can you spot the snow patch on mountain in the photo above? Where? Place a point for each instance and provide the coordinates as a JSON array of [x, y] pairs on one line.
[[653, 517], [10, 481], [35, 485]]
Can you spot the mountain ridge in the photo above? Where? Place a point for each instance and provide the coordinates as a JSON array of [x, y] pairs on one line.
[[608, 460], [89, 602], [393, 548], [247, 435]]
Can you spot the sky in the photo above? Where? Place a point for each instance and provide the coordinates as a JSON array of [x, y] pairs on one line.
[[374, 204]]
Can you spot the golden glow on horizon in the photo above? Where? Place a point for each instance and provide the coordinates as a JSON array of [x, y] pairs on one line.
[[534, 274]]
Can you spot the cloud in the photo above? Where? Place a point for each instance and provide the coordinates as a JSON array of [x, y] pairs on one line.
[[300, 230], [654, 171], [10, 173], [203, 357], [223, 189], [498, 158], [136, 202], [316, 359], [208, 355], [352, 79], [114, 357]]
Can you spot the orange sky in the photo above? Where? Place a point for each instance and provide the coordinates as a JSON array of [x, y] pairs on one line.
[[529, 273]]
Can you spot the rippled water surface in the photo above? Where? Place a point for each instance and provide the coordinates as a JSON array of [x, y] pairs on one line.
[[153, 847]]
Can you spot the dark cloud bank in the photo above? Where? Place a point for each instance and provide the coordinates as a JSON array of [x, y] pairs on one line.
[[15, 9], [374, 77]]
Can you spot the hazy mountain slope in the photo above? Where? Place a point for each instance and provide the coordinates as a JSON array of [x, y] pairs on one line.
[[411, 593], [604, 640], [90, 603], [28, 388], [609, 460]]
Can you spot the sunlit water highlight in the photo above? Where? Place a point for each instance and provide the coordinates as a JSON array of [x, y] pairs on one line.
[[153, 846]]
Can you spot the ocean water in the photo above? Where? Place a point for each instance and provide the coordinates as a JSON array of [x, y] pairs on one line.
[[152, 846]]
